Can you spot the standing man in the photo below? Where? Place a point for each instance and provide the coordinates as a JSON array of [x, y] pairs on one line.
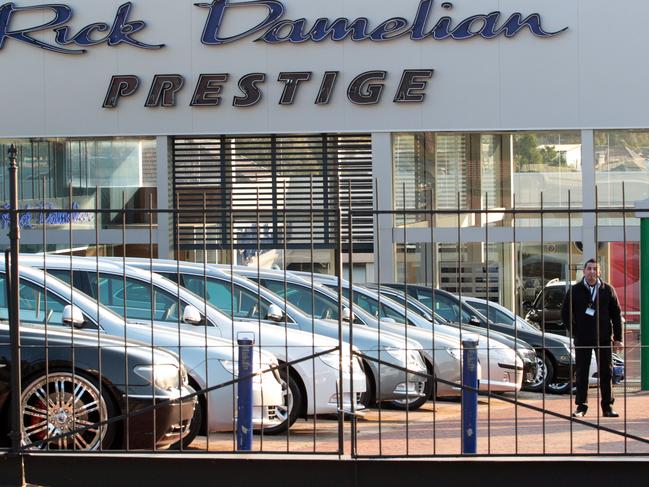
[[593, 308]]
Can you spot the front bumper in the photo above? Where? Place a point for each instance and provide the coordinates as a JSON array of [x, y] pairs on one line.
[[395, 384], [171, 420]]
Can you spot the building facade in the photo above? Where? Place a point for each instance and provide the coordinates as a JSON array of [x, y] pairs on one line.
[[463, 110]]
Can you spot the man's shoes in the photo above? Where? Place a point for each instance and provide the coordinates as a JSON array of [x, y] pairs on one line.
[[580, 412], [610, 413]]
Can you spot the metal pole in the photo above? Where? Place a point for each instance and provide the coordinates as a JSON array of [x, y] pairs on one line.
[[244, 398], [644, 303], [470, 397], [14, 306]]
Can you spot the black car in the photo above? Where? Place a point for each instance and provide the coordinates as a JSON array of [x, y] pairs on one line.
[[71, 382], [523, 349], [553, 352], [545, 310]]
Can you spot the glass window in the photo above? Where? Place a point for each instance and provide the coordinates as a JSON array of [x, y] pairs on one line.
[[549, 164], [446, 308], [622, 158], [34, 308], [304, 299], [219, 294], [136, 298], [118, 169]]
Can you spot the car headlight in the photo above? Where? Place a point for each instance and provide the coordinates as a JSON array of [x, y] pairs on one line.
[[233, 368], [529, 354], [333, 360], [411, 358], [163, 376], [230, 366], [454, 352]]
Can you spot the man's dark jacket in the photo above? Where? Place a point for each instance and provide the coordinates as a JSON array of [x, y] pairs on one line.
[[607, 308]]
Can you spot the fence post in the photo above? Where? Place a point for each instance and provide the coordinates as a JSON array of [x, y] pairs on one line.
[[644, 303], [244, 398], [470, 397], [643, 215], [14, 302]]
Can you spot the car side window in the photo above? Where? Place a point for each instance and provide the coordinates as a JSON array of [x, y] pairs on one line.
[[34, 308], [369, 305], [136, 298], [388, 312], [302, 298], [482, 307], [219, 294], [446, 308], [554, 298]]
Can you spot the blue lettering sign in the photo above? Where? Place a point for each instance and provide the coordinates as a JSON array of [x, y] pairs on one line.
[[31, 216], [274, 29], [121, 31]]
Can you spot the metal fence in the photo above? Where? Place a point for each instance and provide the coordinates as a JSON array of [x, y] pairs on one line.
[[348, 378]]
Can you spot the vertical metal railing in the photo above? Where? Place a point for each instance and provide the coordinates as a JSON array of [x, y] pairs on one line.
[[411, 426]]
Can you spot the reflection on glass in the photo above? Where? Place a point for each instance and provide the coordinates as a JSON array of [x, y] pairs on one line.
[[622, 170], [59, 173]]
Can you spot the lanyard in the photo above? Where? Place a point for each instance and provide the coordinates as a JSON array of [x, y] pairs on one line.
[[593, 294]]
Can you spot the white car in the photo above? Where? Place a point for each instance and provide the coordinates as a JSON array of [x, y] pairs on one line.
[[314, 382], [502, 368], [209, 362]]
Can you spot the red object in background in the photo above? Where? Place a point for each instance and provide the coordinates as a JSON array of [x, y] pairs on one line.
[[626, 278]]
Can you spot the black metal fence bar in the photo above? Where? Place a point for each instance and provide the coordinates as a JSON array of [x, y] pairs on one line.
[[381, 432]]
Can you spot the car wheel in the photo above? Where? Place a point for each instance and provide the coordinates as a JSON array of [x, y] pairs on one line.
[[194, 426], [558, 387], [287, 414], [415, 402], [549, 375], [538, 382], [60, 403]]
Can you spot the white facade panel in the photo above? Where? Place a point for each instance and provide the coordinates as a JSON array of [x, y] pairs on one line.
[[589, 76]]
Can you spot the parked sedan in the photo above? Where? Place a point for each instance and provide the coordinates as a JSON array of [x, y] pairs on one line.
[[68, 385], [441, 352], [557, 347], [502, 368], [253, 302], [210, 361], [128, 291]]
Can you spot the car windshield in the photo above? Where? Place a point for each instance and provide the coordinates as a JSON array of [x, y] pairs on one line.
[[497, 315]]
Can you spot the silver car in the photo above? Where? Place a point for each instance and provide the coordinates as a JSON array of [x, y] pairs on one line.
[[502, 368], [209, 362], [256, 303], [314, 382], [442, 353]]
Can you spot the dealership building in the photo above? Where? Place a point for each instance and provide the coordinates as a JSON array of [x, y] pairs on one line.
[[292, 104]]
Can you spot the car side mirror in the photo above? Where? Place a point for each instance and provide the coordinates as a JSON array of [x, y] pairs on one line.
[[191, 315], [275, 313], [474, 321], [388, 320], [73, 316], [348, 316]]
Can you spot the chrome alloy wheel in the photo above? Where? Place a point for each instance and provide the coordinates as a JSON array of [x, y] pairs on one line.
[[282, 412], [58, 404], [540, 377]]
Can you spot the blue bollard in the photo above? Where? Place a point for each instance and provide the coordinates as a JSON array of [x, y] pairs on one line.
[[470, 397], [244, 398]]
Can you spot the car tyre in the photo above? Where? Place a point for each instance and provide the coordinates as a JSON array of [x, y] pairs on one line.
[[414, 403], [73, 402], [538, 383], [289, 413]]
